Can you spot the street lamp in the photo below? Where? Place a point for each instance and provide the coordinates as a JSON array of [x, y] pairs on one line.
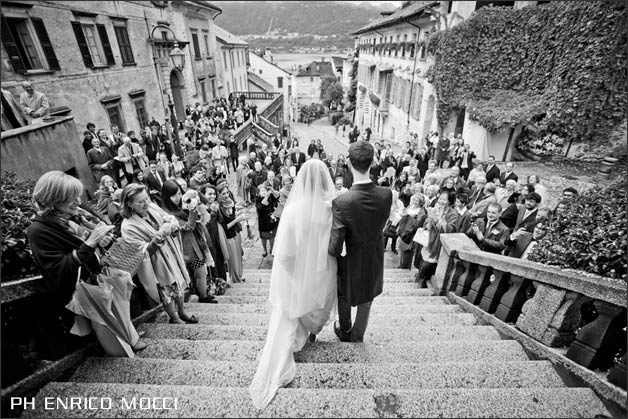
[[177, 56]]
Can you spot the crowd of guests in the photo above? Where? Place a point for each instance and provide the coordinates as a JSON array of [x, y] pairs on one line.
[[443, 188]]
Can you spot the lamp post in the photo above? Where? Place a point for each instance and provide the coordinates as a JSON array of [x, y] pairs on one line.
[[177, 57]]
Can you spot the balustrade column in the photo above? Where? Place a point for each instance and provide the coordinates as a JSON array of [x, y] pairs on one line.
[[494, 292], [481, 282], [551, 316], [595, 343], [456, 271], [466, 279], [617, 375], [511, 302]]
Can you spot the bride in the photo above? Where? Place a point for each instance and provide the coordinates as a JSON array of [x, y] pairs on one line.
[[303, 280]]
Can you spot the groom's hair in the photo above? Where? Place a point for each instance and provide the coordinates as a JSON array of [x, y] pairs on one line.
[[361, 155]]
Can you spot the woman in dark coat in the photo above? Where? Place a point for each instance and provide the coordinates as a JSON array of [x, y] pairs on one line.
[[66, 241], [265, 204]]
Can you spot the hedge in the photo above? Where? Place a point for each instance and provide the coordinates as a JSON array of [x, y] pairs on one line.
[[563, 62], [591, 236], [16, 213]]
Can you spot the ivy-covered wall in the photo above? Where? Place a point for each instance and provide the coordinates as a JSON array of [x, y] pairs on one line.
[[559, 68]]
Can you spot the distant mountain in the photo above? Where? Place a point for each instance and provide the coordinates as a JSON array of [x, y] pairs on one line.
[[292, 25]]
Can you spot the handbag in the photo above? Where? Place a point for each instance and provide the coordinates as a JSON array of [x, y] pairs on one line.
[[123, 256], [421, 236]]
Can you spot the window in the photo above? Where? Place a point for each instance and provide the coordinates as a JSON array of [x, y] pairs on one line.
[[389, 79], [197, 49], [123, 42], [212, 84], [280, 82], [238, 57], [206, 40], [224, 56], [93, 43], [140, 111], [451, 3], [260, 71], [289, 90], [228, 88], [203, 90], [27, 44], [417, 94], [115, 114]]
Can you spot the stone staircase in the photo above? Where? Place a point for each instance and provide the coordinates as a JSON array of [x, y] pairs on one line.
[[422, 357]]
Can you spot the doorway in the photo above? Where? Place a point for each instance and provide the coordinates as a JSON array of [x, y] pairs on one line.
[[429, 115], [460, 121], [177, 86]]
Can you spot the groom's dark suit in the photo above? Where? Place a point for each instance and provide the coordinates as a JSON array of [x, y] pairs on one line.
[[359, 218]]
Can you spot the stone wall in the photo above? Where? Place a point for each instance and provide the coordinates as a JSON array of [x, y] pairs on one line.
[[33, 150]]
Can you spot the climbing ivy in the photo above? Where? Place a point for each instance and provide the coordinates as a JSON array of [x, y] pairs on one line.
[[560, 67]]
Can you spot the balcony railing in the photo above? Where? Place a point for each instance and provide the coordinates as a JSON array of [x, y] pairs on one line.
[[257, 95], [272, 112], [543, 302]]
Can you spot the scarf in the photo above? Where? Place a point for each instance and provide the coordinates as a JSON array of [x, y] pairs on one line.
[[225, 202]]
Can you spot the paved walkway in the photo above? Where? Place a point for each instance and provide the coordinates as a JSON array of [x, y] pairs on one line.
[[321, 129]]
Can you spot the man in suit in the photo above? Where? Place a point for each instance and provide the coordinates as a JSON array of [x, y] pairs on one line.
[[477, 192], [154, 180], [459, 183], [132, 158], [508, 174], [298, 158], [522, 245], [481, 207], [492, 171], [491, 235], [153, 143], [100, 160], [359, 216], [526, 219], [334, 170], [354, 134]]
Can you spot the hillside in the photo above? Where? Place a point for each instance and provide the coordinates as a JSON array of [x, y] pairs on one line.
[[294, 25]]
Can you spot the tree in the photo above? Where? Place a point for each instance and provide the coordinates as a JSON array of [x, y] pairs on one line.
[[353, 86], [331, 92]]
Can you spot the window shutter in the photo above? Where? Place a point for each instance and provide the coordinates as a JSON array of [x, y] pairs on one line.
[[46, 45], [125, 45], [82, 43], [11, 47], [106, 46]]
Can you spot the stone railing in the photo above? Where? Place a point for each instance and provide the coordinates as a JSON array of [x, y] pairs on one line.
[[272, 113], [267, 125], [257, 95], [541, 301]]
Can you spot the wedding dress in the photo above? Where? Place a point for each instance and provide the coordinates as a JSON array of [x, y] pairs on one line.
[[303, 280]]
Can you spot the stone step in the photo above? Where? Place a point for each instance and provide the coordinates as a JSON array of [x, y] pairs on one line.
[[434, 305], [387, 285], [194, 401], [251, 312], [341, 352], [383, 300], [419, 333], [340, 376], [378, 321], [262, 290], [394, 276]]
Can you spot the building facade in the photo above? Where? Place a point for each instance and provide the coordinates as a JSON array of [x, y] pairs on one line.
[[232, 62], [277, 77], [107, 62], [395, 97], [194, 23], [306, 83]]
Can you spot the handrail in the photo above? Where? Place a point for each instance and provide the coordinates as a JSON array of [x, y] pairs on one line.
[[544, 302], [257, 95], [598, 288]]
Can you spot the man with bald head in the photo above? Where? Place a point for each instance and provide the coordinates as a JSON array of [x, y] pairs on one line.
[[34, 104]]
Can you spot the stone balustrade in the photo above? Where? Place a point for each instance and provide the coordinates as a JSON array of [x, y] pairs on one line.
[[272, 110], [541, 301]]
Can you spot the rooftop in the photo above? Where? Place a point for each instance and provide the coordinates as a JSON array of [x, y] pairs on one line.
[[228, 38], [317, 68], [411, 10]]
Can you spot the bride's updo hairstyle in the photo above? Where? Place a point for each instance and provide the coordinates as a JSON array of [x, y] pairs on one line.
[[361, 155]]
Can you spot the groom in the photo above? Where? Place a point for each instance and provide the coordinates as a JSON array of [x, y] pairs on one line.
[[359, 218]]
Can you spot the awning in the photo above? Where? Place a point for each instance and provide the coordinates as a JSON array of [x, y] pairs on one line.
[[385, 68]]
